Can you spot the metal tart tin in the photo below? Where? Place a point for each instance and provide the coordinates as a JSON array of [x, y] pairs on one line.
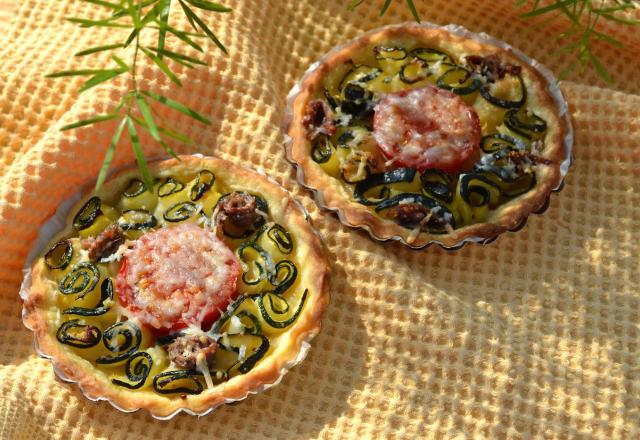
[[57, 222], [461, 31]]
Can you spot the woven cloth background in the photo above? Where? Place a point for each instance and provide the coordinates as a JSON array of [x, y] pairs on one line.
[[535, 335]]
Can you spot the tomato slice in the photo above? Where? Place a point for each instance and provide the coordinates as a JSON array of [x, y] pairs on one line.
[[425, 128], [176, 277]]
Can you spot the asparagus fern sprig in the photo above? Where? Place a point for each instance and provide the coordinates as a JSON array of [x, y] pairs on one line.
[[135, 111], [385, 6], [582, 15]]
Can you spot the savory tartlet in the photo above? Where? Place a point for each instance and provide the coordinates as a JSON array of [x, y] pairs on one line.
[[429, 135], [183, 296]]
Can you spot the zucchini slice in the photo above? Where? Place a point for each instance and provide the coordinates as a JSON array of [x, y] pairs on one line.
[[436, 183], [106, 294], [389, 53], [59, 256], [322, 149], [432, 56], [485, 91], [256, 267], [80, 280], [204, 182], [137, 220], [500, 141], [284, 276], [281, 238], [77, 334], [178, 381], [180, 212], [134, 189], [459, 80], [137, 370], [122, 338], [477, 190], [170, 186], [360, 74], [267, 315], [520, 185], [89, 212], [381, 180], [414, 71], [525, 123]]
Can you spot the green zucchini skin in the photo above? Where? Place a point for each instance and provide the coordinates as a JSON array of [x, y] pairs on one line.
[[64, 337], [432, 55], [424, 74], [136, 225], [170, 186], [89, 275], [106, 293], [469, 187], [526, 125], [132, 339], [280, 324], [371, 74], [180, 212], [379, 179], [216, 329], [256, 329], [289, 279], [162, 380], [263, 273], [134, 188], [437, 184], [251, 361], [89, 212], [530, 182], [499, 141], [505, 103], [62, 260], [137, 370], [281, 237], [322, 150], [444, 82], [390, 53], [204, 182]]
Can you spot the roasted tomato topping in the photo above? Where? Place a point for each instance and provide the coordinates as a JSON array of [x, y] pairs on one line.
[[426, 128], [179, 276]]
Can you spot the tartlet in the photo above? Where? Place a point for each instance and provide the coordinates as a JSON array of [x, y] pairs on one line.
[[429, 134], [195, 293]]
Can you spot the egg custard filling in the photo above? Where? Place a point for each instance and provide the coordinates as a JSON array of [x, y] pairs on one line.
[[424, 134], [184, 295]]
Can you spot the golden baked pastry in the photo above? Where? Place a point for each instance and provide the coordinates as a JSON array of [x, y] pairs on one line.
[[425, 135], [187, 295]]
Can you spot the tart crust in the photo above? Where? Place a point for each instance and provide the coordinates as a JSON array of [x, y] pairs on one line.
[[332, 195], [292, 344]]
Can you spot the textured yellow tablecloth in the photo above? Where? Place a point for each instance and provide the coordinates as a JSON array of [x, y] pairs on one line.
[[535, 335]]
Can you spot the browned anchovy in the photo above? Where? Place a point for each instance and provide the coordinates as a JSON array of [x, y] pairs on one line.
[[104, 244], [319, 119], [517, 157], [491, 67], [184, 350], [239, 209]]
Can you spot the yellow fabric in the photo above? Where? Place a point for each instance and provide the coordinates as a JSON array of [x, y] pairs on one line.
[[535, 335]]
